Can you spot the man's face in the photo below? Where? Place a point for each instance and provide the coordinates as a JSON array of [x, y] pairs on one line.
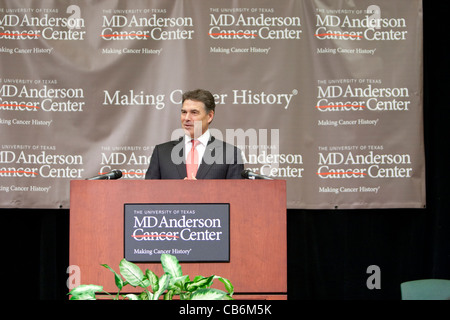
[[194, 119]]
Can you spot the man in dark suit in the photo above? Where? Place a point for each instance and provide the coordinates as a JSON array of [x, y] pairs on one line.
[[198, 151]]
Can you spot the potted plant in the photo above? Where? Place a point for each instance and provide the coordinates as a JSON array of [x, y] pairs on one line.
[[171, 283]]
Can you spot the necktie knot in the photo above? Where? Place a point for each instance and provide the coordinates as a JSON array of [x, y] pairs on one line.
[[195, 143]]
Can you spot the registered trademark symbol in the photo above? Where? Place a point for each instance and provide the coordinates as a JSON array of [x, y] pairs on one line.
[[295, 92]]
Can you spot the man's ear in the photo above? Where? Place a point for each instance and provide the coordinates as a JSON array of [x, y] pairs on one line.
[[211, 116]]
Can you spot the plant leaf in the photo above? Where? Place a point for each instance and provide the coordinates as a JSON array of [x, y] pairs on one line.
[[131, 296], [178, 284], [117, 279], [168, 295], [146, 295], [153, 278], [84, 296], [145, 282], [208, 294], [228, 285], [131, 272], [199, 282], [185, 295], [85, 288], [171, 265], [163, 284]]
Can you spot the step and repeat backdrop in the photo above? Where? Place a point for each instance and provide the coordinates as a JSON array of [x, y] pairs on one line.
[[325, 94]]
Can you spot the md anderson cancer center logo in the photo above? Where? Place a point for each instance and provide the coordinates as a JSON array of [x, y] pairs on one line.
[[357, 25], [28, 162], [42, 23], [252, 23]]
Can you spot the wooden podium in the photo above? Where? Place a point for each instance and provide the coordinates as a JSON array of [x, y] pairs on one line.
[[258, 252]]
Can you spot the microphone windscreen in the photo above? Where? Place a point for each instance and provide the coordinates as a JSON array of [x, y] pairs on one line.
[[244, 173], [117, 174]]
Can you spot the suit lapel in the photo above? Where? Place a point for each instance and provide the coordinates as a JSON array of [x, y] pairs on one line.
[[181, 168], [211, 149]]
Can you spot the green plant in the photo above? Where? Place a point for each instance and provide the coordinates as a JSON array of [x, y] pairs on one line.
[[171, 283]]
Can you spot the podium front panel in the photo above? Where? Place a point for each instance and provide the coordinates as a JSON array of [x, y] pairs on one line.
[[257, 216]]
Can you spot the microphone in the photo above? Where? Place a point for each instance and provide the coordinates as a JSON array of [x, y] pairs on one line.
[[248, 174], [114, 174]]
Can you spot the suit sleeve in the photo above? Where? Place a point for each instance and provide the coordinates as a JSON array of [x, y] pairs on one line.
[[235, 169], [153, 171]]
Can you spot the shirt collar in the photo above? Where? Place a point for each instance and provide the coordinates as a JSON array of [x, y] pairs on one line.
[[204, 138]]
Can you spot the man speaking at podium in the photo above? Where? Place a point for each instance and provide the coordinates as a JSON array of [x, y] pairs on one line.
[[197, 155]]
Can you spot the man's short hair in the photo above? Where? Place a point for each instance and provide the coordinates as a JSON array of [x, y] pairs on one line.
[[203, 96]]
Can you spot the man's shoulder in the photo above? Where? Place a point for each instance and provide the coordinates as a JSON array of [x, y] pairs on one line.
[[222, 143], [168, 144]]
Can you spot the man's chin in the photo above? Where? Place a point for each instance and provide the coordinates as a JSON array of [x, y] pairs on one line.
[[189, 131]]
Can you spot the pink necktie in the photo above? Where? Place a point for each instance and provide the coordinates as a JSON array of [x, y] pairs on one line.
[[192, 160]]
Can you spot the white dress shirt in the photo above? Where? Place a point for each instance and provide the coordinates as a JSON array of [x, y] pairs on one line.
[[201, 147]]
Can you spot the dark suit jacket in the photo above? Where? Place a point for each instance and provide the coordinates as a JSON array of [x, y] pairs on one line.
[[220, 161]]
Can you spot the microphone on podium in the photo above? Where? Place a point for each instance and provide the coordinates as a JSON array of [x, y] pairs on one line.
[[113, 175], [248, 174]]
